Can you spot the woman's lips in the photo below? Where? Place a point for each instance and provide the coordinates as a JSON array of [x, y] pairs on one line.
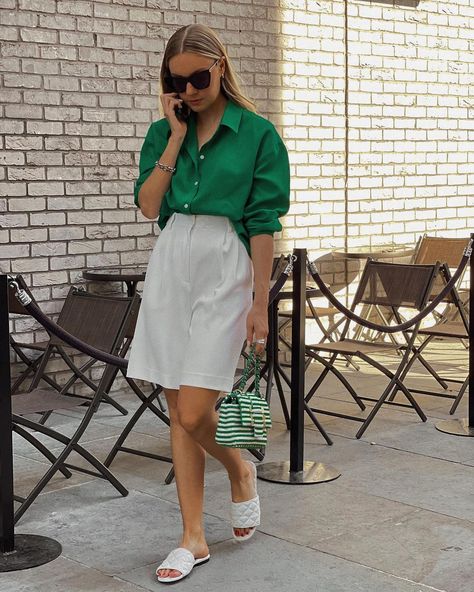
[[195, 102]]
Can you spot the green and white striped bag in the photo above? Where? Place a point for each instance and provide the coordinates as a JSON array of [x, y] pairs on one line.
[[244, 417]]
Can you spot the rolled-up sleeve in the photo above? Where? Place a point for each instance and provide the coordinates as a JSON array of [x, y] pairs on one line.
[[154, 145], [269, 198]]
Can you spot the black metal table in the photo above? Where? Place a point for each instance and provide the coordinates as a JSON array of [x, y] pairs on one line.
[[130, 275], [377, 252]]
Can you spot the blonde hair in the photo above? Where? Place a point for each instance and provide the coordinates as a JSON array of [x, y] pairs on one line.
[[202, 40]]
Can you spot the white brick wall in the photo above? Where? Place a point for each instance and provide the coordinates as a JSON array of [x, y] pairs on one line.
[[78, 82]]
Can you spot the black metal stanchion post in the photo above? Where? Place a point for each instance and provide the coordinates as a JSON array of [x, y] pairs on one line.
[[17, 551], [6, 451], [465, 425], [297, 471]]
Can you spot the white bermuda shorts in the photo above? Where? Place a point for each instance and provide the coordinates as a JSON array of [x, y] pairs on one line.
[[191, 326]]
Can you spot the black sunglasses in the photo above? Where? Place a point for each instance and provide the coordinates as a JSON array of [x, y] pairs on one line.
[[200, 80]]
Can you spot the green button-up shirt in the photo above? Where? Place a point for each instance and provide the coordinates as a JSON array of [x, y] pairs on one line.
[[242, 172]]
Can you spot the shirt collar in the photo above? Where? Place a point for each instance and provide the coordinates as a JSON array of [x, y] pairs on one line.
[[232, 115], [230, 118]]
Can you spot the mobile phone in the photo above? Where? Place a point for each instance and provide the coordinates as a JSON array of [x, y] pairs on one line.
[[182, 112]]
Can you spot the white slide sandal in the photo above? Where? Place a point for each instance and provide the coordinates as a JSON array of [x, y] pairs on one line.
[[246, 514], [181, 560]]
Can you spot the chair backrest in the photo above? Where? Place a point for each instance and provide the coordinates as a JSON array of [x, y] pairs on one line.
[[279, 264], [97, 319], [445, 250], [448, 251], [395, 284]]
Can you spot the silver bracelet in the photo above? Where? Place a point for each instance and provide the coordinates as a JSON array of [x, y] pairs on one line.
[[165, 167]]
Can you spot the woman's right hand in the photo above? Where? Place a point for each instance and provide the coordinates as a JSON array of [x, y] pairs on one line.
[[169, 102]]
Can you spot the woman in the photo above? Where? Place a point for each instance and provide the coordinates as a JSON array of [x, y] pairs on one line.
[[217, 174]]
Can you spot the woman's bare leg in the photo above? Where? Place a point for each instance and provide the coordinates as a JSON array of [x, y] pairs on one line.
[[189, 462], [197, 415], [193, 427]]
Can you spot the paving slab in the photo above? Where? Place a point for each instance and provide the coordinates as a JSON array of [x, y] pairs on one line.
[[99, 528], [422, 546], [269, 564], [414, 479], [429, 483], [63, 575]]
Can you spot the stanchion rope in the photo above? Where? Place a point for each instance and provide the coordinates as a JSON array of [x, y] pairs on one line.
[[73, 341], [402, 326]]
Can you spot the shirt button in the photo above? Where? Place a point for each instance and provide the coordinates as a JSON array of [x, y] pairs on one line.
[[196, 182], [202, 157], [186, 205]]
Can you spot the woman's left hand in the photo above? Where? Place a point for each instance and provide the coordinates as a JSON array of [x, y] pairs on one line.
[[257, 326]]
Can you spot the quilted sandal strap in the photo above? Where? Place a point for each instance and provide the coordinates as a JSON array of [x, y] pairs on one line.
[[180, 560], [246, 514]]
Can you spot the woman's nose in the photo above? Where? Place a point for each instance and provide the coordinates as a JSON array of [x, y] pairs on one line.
[[190, 89]]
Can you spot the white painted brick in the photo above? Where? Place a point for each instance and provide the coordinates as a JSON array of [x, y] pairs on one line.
[[38, 36], [26, 174], [49, 278], [29, 265], [93, 25], [113, 41], [12, 158], [61, 203], [22, 80], [117, 245], [60, 83], [118, 216], [46, 188], [99, 144], [13, 251], [44, 128], [69, 262], [48, 219], [66, 234], [75, 7]]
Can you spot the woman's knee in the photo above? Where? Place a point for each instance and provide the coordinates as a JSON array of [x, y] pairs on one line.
[[193, 407], [189, 420], [181, 414], [193, 417]]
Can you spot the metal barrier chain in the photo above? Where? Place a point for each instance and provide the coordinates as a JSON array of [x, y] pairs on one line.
[[402, 326], [71, 340]]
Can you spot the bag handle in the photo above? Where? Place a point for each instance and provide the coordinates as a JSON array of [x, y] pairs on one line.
[[255, 360]]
